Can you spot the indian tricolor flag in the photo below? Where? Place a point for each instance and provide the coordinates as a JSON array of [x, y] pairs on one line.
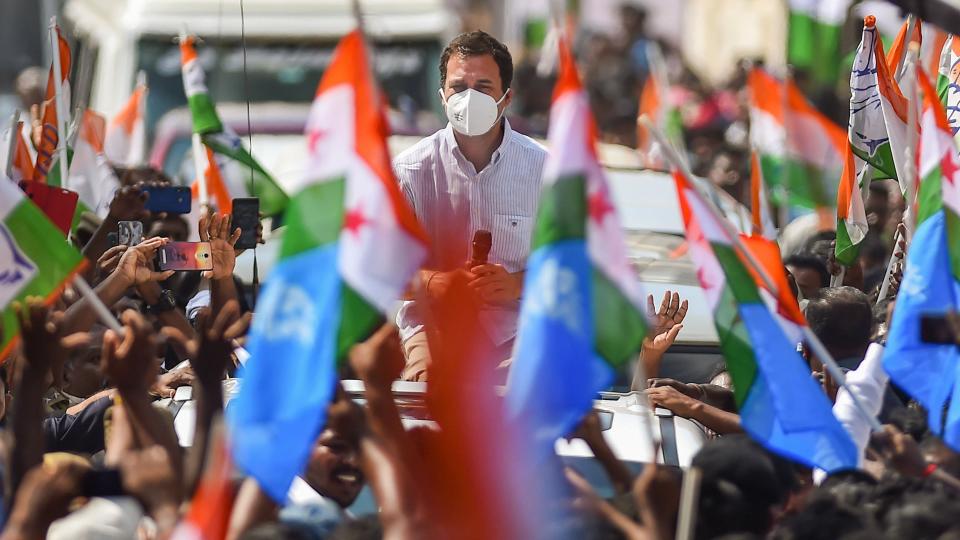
[[90, 175], [813, 41], [878, 111], [582, 313], [20, 166], [760, 216], [49, 134], [655, 104], [218, 137], [126, 137], [948, 83], [800, 149], [851, 215], [35, 260], [780, 405], [351, 247]]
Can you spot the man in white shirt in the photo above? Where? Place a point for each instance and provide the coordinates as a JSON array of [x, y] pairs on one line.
[[475, 174]]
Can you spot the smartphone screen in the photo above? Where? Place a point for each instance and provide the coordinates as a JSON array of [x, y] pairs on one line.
[[170, 199], [185, 256], [246, 216], [130, 233], [102, 483]]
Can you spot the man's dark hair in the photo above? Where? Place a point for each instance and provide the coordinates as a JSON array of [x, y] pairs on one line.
[[842, 317], [810, 262], [478, 43]]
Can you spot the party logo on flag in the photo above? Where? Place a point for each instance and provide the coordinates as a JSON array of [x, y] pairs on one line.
[[17, 270]]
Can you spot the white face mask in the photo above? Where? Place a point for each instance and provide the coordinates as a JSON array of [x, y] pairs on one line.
[[471, 112]]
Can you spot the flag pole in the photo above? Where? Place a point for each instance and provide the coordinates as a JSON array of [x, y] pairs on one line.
[[818, 348], [199, 155], [60, 105], [103, 312], [689, 496], [12, 143], [909, 215]]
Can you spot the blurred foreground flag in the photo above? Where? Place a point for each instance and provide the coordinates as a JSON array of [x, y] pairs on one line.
[[35, 259], [209, 515], [930, 284], [781, 405], [851, 215], [125, 142], [948, 83], [656, 104], [878, 111], [581, 314], [351, 247], [813, 42], [20, 166], [760, 216], [800, 149], [220, 138]]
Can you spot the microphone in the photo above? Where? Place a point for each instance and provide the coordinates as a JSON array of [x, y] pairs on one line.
[[482, 241]]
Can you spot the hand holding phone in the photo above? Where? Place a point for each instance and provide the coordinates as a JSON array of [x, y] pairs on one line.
[[185, 256], [246, 217]]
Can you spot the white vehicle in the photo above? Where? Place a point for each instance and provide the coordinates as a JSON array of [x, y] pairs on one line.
[[289, 44]]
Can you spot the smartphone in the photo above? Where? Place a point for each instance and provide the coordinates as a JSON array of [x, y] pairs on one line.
[[130, 233], [170, 199], [102, 483], [246, 216], [936, 329], [185, 256], [57, 203]]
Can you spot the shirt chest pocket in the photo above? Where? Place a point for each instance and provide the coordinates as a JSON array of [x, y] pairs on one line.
[[512, 235]]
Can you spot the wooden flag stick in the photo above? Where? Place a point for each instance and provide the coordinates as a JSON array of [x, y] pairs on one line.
[[812, 340], [12, 143], [689, 496]]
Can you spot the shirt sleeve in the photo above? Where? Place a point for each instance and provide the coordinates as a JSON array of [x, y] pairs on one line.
[[80, 433]]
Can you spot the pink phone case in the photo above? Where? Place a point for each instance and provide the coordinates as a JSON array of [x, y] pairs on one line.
[[185, 256]]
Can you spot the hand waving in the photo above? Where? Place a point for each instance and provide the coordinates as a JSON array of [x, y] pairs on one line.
[[669, 319], [130, 360], [210, 351], [216, 230]]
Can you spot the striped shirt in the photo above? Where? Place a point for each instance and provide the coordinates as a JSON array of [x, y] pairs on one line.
[[452, 201]]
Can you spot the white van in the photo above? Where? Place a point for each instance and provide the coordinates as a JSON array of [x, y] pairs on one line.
[[289, 43]]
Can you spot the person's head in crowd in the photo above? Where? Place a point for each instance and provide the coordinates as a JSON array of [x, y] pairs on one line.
[[726, 171], [927, 515], [877, 206], [146, 174], [30, 86], [82, 376], [842, 317], [634, 20], [822, 518], [809, 272], [279, 531], [874, 255], [170, 226], [740, 490], [475, 68], [89, 222], [820, 244], [363, 528], [333, 468]]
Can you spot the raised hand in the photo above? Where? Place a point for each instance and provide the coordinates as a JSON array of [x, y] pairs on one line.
[[43, 497], [108, 262], [130, 360], [669, 319], [215, 229], [129, 204], [150, 476], [378, 361], [44, 351], [210, 351], [136, 263]]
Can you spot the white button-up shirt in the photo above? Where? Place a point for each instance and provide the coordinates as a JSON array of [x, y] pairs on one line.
[[452, 201]]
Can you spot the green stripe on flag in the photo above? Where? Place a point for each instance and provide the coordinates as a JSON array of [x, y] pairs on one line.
[[43, 244], [952, 222], [735, 346], [314, 217], [358, 320], [739, 279], [846, 251], [619, 327], [273, 200], [814, 46], [881, 160], [205, 119], [930, 198], [563, 212]]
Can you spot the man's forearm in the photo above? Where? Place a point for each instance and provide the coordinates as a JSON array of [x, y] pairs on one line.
[[81, 316], [222, 291], [26, 448], [719, 421]]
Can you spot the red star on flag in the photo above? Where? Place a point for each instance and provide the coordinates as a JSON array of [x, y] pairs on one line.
[[598, 206], [948, 167], [313, 138], [354, 219]]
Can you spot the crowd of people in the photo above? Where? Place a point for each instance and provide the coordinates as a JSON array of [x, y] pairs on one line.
[[91, 450]]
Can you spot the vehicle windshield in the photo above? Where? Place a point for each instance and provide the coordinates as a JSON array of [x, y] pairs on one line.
[[286, 72]]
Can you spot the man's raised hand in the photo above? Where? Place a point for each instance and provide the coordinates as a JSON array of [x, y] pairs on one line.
[[215, 229], [669, 322]]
